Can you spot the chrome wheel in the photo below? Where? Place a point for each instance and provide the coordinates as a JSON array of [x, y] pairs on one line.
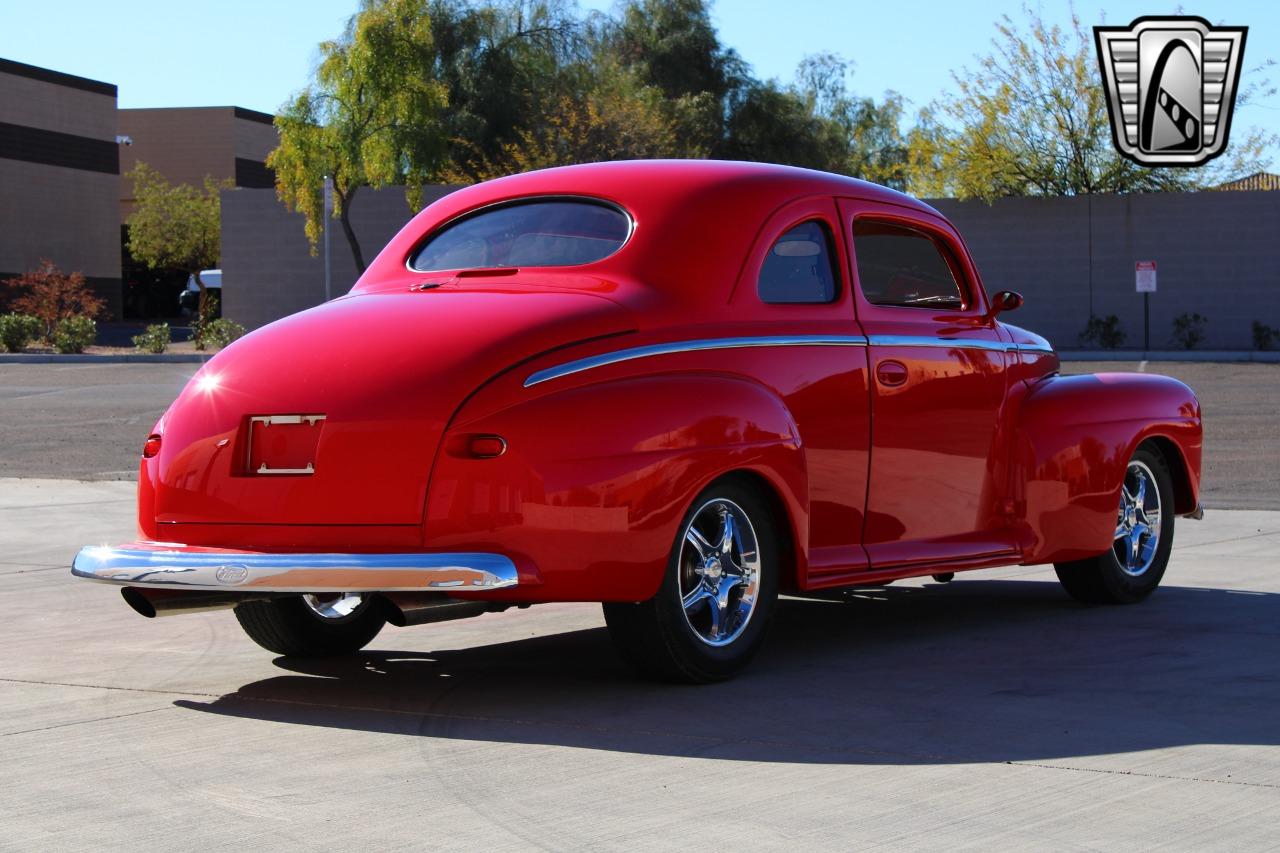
[[719, 572], [334, 606], [1138, 522]]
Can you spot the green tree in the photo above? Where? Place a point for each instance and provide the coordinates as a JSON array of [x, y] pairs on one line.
[[175, 226], [874, 146], [616, 123], [370, 118], [1032, 120], [505, 65]]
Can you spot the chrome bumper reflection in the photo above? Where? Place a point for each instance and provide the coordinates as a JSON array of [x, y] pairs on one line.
[[230, 571]]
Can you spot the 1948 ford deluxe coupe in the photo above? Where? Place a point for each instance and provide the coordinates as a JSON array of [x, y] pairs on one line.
[[677, 388]]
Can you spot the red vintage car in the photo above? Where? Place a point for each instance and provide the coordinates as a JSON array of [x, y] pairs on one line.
[[677, 388]]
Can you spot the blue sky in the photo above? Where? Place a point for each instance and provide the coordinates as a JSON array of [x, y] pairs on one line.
[[254, 54]]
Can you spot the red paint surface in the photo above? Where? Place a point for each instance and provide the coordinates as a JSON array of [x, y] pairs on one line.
[[969, 457]]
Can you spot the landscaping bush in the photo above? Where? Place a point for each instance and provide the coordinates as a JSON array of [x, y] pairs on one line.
[[1188, 329], [154, 339], [1264, 337], [218, 333], [50, 295], [1103, 331], [206, 314], [73, 334], [18, 330]]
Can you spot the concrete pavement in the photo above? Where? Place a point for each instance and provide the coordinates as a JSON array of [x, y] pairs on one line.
[[990, 713]]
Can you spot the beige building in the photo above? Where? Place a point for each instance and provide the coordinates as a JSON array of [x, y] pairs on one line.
[[59, 176], [187, 143]]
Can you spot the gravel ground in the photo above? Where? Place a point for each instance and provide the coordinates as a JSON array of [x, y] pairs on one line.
[[1241, 405], [87, 421]]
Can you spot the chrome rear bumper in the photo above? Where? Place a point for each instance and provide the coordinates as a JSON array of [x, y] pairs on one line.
[[232, 571]]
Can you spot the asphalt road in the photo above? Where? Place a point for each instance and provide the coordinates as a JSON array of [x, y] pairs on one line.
[[992, 713], [85, 421]]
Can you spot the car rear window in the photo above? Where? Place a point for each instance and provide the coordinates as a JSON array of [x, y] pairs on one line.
[[539, 233]]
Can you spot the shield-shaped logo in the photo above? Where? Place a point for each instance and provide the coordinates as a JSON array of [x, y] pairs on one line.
[[1171, 85]]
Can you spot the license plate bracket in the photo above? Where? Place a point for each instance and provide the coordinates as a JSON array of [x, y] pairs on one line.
[[283, 444]]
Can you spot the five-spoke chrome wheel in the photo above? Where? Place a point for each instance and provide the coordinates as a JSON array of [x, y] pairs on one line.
[[719, 572], [709, 616], [1138, 524], [1132, 567]]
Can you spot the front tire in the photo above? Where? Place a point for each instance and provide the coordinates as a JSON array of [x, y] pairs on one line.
[[710, 616], [312, 626], [1131, 569]]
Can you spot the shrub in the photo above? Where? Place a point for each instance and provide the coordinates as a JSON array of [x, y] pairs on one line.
[[206, 315], [1188, 329], [1103, 331], [218, 333], [73, 334], [49, 294], [18, 330], [154, 339], [1264, 337]]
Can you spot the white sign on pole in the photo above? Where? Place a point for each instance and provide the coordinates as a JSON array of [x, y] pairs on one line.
[[1144, 274]]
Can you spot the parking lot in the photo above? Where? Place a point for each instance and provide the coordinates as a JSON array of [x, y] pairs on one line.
[[991, 713]]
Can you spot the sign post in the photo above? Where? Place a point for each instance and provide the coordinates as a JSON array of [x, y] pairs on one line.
[[1144, 280], [328, 214]]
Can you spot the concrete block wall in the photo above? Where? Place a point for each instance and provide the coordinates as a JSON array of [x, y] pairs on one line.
[[1217, 253], [268, 271]]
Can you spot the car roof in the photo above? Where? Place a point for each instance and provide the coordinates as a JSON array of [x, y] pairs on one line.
[[694, 219]]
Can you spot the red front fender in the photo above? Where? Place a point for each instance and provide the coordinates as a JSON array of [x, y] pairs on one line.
[[1074, 439]]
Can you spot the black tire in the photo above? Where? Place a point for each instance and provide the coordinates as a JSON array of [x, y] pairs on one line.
[[288, 626], [657, 637], [1104, 579]]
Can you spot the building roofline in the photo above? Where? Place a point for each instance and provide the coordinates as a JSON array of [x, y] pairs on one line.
[[58, 78], [238, 112]]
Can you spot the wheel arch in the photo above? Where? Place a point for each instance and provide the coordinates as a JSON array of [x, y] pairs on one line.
[[1185, 496], [1073, 440], [789, 536]]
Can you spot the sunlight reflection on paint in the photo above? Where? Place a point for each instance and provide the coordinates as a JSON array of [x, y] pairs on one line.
[[208, 383]]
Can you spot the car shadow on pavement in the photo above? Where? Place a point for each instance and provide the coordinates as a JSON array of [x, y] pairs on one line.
[[976, 671]]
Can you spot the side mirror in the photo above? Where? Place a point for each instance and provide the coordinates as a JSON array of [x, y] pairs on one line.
[[1005, 300]]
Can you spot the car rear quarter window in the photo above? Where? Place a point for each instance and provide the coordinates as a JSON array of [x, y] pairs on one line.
[[798, 268], [536, 233], [903, 267]]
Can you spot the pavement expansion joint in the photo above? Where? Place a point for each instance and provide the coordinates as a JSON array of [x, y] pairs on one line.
[[1139, 773]]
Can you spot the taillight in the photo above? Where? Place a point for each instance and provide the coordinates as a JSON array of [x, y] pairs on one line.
[[151, 447]]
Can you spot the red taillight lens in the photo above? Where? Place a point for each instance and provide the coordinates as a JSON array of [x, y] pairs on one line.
[[486, 446], [151, 447]]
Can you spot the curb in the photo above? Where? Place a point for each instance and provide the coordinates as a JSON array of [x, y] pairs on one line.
[[1171, 355], [81, 358]]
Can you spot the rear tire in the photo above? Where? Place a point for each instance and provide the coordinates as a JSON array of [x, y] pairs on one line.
[[1131, 569], [710, 616], [312, 626]]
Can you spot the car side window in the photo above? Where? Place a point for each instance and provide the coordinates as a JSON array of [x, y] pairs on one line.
[[798, 268], [904, 267]]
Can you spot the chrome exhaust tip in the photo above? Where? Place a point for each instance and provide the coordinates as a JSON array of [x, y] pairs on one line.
[[172, 602]]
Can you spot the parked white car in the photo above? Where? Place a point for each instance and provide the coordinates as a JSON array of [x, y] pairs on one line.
[[189, 299]]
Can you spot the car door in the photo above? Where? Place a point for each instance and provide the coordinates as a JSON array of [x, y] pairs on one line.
[[938, 374]]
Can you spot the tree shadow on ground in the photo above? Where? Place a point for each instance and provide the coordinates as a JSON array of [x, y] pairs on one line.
[[976, 671]]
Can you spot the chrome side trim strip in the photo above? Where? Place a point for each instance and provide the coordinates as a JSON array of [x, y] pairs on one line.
[[571, 367], [939, 343], [603, 359], [230, 571]]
